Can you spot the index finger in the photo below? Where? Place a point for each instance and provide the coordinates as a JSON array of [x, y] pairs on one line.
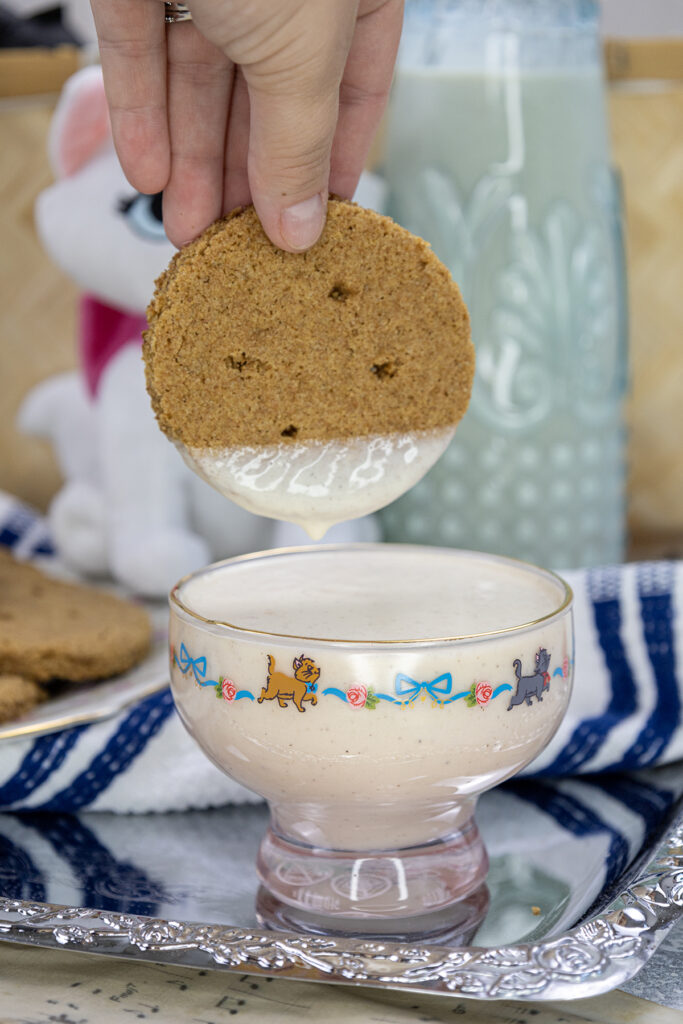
[[132, 38]]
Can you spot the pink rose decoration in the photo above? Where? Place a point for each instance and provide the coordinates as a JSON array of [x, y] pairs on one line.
[[357, 695], [229, 689], [565, 666], [482, 692]]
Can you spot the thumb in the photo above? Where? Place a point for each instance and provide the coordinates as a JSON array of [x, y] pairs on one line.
[[293, 84], [292, 55], [290, 142]]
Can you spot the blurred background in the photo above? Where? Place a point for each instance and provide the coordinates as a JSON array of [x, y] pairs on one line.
[[42, 45]]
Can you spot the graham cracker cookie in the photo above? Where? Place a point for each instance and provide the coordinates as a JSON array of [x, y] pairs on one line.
[[364, 334], [17, 696], [54, 630]]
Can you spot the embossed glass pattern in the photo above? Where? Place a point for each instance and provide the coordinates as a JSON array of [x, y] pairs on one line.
[[497, 154]]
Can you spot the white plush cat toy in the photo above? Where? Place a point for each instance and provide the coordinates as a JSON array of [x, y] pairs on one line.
[[129, 508]]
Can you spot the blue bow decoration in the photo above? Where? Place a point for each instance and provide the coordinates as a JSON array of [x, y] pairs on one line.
[[410, 689], [198, 665]]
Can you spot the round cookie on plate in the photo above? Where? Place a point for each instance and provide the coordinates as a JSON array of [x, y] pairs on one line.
[[313, 387], [53, 630], [17, 696]]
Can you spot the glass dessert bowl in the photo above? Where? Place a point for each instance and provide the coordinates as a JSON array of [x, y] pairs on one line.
[[370, 693]]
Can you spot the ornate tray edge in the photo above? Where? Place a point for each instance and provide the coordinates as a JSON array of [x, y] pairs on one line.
[[593, 958]]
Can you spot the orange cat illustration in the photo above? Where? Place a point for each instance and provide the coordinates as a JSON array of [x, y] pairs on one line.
[[298, 689]]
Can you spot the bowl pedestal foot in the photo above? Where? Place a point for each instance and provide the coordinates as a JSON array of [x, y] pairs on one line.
[[436, 890]]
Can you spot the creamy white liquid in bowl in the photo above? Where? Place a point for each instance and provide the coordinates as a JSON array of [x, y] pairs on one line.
[[371, 692]]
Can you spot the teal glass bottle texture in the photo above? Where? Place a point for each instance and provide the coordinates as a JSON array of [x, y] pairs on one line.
[[497, 154]]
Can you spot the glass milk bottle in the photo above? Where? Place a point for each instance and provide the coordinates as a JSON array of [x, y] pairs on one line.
[[497, 154]]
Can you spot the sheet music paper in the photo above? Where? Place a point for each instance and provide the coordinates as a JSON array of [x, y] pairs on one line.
[[44, 986]]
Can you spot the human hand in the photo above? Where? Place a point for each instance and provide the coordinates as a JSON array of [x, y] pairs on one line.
[[273, 102]]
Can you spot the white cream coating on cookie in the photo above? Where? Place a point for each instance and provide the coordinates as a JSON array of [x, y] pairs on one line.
[[319, 483]]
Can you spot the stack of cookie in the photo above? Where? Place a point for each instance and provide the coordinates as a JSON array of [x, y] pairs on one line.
[[54, 632]]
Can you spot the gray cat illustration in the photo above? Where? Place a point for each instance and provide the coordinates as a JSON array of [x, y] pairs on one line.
[[531, 686]]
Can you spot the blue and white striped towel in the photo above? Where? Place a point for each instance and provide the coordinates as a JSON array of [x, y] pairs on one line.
[[625, 711]]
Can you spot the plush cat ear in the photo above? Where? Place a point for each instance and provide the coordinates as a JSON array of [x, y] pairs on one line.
[[80, 124]]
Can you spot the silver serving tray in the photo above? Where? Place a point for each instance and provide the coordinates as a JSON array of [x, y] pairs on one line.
[[586, 880]]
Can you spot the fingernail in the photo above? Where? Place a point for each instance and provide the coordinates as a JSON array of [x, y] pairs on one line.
[[302, 224]]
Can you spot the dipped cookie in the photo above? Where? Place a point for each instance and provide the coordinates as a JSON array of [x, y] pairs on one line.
[[313, 387]]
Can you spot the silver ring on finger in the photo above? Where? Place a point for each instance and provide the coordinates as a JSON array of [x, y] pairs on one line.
[[176, 12]]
